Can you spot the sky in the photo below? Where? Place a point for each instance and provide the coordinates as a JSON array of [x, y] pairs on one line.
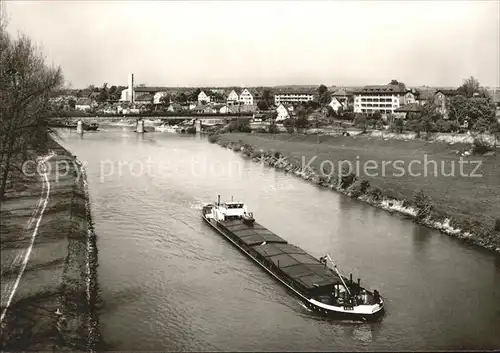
[[265, 43]]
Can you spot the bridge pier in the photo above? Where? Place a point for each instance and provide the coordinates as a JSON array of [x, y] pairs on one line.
[[79, 127], [140, 126], [197, 125]]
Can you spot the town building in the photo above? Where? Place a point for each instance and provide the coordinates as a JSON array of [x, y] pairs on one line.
[[284, 112], [341, 95], [84, 104], [382, 98], [336, 104], [246, 97], [293, 97], [441, 98], [159, 97], [203, 98], [204, 109], [233, 97], [402, 112], [175, 108]]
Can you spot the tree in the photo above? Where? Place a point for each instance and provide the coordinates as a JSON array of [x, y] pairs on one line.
[[425, 120], [182, 98], [397, 125], [322, 89], [71, 103], [25, 86], [469, 111], [267, 97], [194, 95], [361, 121], [165, 99], [401, 85], [102, 96], [262, 105], [469, 87], [289, 124], [330, 111], [324, 97]]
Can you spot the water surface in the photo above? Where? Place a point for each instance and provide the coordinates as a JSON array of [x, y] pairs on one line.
[[169, 282]]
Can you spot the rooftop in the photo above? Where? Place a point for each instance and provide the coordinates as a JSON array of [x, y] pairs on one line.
[[381, 89], [149, 89]]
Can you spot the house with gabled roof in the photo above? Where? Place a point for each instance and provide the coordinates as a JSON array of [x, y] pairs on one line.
[[402, 112], [233, 98], [283, 112], [203, 98], [246, 97], [441, 98], [341, 95], [336, 104], [175, 108]]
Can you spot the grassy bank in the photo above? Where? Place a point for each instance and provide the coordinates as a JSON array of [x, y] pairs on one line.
[[60, 273], [461, 205]]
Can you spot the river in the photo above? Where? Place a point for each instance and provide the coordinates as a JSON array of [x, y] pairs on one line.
[[169, 282]]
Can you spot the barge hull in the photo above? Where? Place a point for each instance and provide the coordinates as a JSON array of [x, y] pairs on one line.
[[310, 303]]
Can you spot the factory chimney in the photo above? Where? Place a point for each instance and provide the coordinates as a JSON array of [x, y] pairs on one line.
[[131, 96]]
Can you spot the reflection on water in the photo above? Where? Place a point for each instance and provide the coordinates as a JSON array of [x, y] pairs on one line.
[[169, 282]]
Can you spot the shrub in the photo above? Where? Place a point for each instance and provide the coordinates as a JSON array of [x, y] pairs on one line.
[[191, 130], [212, 138], [347, 179], [244, 128], [273, 129], [260, 130], [397, 125], [359, 188], [480, 146], [423, 204], [443, 125], [376, 194]]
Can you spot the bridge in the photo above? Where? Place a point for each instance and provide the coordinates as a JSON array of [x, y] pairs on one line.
[[163, 118]]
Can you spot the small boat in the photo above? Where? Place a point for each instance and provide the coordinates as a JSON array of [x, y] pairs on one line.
[[90, 127], [318, 283]]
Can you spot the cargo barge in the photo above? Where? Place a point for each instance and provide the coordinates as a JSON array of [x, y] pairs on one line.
[[316, 282]]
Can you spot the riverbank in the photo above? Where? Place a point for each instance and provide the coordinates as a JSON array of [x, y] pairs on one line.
[[49, 257], [462, 206]]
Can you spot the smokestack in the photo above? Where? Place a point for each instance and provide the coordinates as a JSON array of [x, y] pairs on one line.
[[131, 88]]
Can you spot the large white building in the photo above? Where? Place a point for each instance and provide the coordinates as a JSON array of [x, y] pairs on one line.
[[384, 99], [293, 97]]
